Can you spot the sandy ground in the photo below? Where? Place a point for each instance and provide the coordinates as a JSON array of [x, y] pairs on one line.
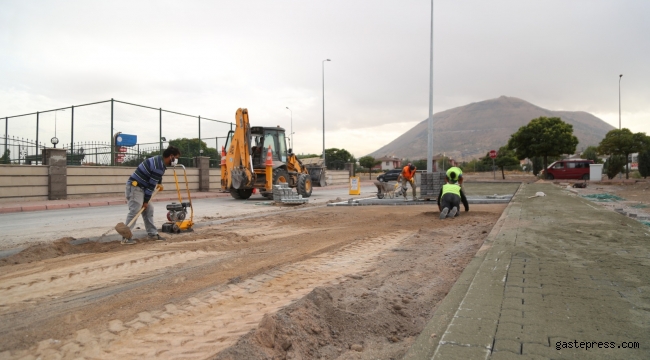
[[331, 283]]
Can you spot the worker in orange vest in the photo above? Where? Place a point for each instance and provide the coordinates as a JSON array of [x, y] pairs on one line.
[[407, 175]]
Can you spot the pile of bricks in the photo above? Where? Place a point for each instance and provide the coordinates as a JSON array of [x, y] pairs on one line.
[[282, 193], [430, 184]]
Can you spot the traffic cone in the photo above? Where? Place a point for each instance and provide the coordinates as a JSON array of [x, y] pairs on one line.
[[269, 158], [269, 170], [223, 156]]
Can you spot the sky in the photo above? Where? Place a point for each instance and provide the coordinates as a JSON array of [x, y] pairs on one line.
[[209, 58]]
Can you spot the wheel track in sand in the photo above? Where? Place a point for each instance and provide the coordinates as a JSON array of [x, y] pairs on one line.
[[209, 322]]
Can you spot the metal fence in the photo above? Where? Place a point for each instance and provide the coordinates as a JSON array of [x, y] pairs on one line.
[[20, 150], [26, 152]]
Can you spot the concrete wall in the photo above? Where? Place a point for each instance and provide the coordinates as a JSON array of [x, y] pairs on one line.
[[215, 179], [101, 181], [337, 177], [23, 183]]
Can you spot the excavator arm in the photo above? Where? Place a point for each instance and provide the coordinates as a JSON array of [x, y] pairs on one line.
[[239, 172]]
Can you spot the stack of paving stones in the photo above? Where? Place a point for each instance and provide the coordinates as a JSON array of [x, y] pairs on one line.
[[282, 193], [430, 184]]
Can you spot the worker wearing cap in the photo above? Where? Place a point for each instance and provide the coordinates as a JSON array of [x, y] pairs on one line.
[[458, 172], [450, 197], [141, 185], [408, 176]]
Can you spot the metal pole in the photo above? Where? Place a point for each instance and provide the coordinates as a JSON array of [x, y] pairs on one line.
[[619, 101], [323, 64], [199, 133], [160, 130], [112, 145], [494, 172], [6, 137], [37, 114], [291, 135], [430, 121], [72, 130]]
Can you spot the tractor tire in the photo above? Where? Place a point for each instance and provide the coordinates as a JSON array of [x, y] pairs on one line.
[[304, 185], [585, 177], [279, 175], [241, 194]]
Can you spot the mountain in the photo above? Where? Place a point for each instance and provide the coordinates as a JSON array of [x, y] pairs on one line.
[[470, 131]]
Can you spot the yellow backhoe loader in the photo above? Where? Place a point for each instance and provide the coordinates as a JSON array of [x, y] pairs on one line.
[[257, 158]]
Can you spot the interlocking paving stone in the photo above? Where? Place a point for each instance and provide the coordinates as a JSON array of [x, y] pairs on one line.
[[554, 269]]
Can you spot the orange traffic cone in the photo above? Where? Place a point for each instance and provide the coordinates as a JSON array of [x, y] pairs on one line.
[[223, 156], [269, 158]]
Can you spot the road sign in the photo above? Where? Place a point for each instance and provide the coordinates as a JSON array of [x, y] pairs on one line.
[[493, 154]]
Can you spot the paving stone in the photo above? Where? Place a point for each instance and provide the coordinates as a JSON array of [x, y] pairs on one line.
[[456, 352], [507, 345]]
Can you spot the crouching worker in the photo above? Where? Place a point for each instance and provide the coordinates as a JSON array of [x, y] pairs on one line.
[[407, 176], [450, 197], [141, 185]]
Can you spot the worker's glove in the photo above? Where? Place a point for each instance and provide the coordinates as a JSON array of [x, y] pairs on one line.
[[159, 187], [412, 181]]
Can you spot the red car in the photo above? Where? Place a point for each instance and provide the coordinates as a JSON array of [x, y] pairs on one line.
[[569, 169]]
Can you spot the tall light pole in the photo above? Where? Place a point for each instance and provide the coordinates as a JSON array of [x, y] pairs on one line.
[[291, 138], [619, 101], [323, 63], [430, 122]]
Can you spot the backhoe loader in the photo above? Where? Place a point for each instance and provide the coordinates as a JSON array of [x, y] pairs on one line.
[[257, 158]]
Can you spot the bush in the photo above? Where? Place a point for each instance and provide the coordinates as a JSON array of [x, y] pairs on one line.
[[615, 164]]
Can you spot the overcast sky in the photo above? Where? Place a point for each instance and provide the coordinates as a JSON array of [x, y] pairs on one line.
[[210, 57]]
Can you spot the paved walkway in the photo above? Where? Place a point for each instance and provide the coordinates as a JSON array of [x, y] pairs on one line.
[[556, 273]]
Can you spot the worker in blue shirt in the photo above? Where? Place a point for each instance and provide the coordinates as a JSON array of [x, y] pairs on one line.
[[141, 185]]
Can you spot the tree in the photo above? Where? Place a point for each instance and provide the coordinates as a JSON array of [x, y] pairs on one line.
[[191, 148], [623, 142], [368, 162], [614, 165], [5, 157], [538, 164], [420, 164], [444, 163], [644, 163], [505, 157], [591, 153], [543, 137], [335, 159], [307, 156]]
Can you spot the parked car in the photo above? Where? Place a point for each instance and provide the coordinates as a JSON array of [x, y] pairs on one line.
[[390, 175], [569, 169]]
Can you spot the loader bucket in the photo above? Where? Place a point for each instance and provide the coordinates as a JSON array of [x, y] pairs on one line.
[[317, 175]]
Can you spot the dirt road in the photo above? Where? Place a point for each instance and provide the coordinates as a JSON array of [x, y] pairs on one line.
[[320, 283]]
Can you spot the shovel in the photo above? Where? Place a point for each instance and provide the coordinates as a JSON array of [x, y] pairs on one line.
[[125, 230]]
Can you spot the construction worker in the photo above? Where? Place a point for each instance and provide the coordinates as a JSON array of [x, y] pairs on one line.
[[450, 197], [141, 185], [407, 175], [458, 172]]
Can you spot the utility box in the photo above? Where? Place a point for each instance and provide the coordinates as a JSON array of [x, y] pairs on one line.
[[355, 185], [595, 172]]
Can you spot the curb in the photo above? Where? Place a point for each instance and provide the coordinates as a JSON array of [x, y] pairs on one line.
[[428, 341]]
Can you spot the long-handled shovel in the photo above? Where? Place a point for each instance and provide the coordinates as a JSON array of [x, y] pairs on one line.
[[125, 230]]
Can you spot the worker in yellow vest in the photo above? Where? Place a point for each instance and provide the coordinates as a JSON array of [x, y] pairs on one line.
[[408, 175], [450, 197], [458, 172]]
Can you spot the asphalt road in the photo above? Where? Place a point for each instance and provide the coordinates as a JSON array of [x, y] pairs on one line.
[[20, 229]]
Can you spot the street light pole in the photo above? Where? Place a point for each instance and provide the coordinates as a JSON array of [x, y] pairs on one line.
[[323, 63], [291, 138], [619, 101]]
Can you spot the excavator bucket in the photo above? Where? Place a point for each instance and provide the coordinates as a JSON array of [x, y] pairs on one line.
[[238, 179]]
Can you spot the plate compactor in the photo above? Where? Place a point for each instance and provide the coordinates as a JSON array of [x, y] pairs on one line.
[[177, 212]]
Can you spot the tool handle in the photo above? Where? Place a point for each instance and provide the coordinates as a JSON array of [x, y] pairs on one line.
[[137, 215]]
